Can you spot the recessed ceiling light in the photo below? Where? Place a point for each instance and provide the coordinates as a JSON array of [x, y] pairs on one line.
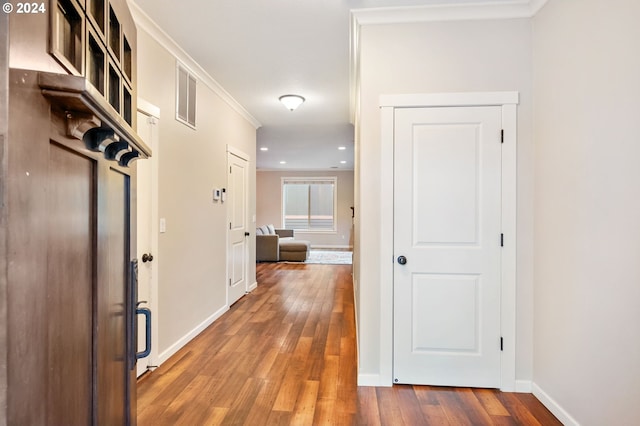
[[342, 148], [343, 162], [264, 148], [283, 162]]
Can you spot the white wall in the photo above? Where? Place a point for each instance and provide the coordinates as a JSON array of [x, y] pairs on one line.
[[434, 57], [269, 205], [587, 209], [192, 252]]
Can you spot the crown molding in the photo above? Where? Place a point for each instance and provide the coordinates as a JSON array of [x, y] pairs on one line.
[[145, 23], [536, 5], [450, 12]]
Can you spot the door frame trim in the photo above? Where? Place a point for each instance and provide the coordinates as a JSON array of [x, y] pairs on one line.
[[508, 101]]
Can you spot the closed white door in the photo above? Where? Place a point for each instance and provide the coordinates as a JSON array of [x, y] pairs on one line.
[[237, 253], [146, 219], [447, 246]]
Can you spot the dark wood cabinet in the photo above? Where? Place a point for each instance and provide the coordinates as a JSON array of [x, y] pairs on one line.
[[67, 221], [70, 274]]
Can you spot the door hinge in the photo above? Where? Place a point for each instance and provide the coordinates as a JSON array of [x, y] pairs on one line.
[[502, 136], [229, 282], [501, 344], [501, 240], [229, 169], [229, 225]]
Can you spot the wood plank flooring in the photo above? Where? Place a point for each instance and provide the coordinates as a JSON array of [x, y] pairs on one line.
[[286, 355]]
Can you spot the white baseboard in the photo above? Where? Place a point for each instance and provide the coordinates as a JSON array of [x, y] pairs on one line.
[[165, 355], [329, 247], [553, 406], [253, 286], [372, 380], [523, 386]]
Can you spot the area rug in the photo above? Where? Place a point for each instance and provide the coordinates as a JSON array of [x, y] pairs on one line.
[[332, 257]]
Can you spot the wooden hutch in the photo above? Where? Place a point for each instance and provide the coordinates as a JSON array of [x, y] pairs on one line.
[[68, 147]]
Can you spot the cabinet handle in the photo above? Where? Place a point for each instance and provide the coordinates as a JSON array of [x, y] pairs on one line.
[[147, 340]]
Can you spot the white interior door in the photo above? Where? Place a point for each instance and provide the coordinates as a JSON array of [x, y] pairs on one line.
[[146, 231], [447, 246], [236, 198]]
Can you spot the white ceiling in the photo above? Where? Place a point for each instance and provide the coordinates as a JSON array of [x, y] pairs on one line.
[[258, 50]]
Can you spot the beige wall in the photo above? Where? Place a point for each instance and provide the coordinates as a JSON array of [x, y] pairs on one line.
[[587, 209], [466, 56], [269, 205], [192, 252]]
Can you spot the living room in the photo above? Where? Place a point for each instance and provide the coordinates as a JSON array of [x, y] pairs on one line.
[[331, 191]]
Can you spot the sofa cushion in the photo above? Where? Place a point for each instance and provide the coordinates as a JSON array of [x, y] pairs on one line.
[[259, 231], [264, 230], [271, 229], [285, 233], [293, 250], [289, 244], [267, 249]]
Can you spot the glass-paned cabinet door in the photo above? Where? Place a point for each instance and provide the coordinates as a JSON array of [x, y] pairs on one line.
[[96, 9], [67, 38]]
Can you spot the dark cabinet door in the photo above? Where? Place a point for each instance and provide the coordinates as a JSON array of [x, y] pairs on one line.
[[71, 254], [112, 303]]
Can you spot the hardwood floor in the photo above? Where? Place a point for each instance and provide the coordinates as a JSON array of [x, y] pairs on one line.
[[286, 355]]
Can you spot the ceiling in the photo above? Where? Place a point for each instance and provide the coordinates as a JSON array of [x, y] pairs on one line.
[[258, 50]]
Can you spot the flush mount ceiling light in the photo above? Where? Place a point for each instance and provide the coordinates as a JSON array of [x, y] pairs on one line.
[[291, 101]]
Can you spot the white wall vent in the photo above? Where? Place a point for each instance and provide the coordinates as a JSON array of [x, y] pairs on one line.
[[185, 96]]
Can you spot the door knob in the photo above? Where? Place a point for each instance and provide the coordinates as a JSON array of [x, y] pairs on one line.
[[147, 257], [401, 260]]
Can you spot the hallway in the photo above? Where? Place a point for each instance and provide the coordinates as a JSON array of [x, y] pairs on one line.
[[286, 354]]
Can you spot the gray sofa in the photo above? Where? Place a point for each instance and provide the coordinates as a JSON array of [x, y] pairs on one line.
[[274, 245]]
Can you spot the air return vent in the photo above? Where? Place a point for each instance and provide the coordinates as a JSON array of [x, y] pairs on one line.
[[186, 96]]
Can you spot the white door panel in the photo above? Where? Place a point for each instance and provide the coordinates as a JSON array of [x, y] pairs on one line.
[[440, 325], [446, 214], [447, 188]]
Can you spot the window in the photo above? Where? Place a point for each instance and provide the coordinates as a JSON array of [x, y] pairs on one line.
[[309, 204], [186, 97]]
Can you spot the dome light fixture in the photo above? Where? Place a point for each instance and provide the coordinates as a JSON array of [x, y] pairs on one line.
[[291, 101]]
